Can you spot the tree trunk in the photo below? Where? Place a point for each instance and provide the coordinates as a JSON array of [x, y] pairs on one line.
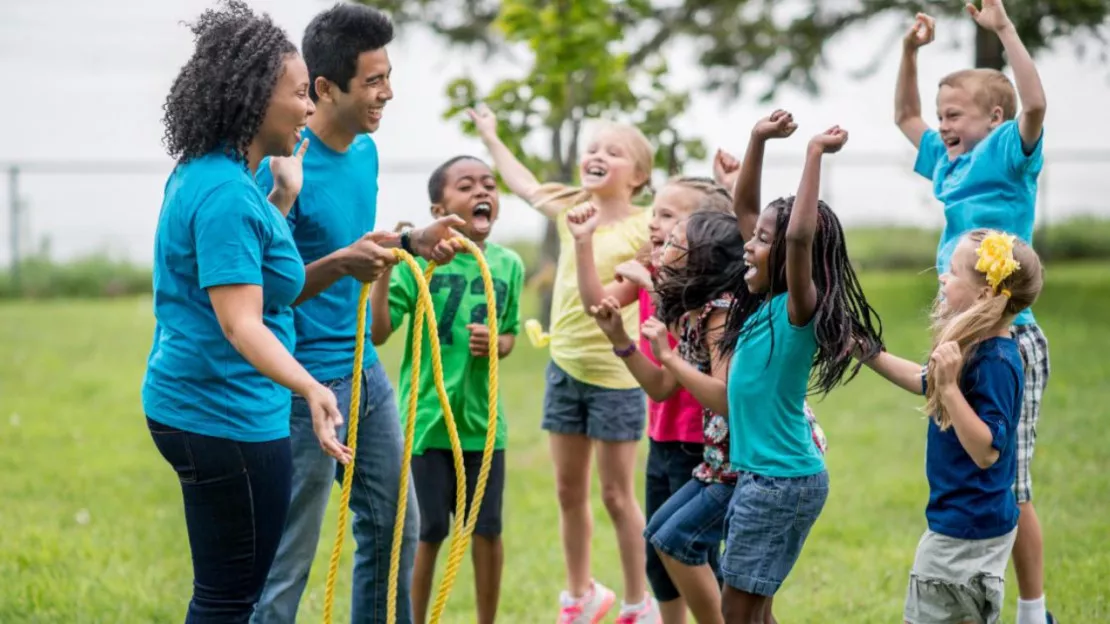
[[988, 50]]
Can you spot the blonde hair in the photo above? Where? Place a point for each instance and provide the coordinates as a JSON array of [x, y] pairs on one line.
[[640, 151], [987, 316], [988, 87], [714, 198]]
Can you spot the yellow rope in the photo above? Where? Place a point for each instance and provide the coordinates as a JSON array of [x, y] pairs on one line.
[[463, 527]]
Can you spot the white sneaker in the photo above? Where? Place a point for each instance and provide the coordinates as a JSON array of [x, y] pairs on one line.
[[646, 613], [589, 609]]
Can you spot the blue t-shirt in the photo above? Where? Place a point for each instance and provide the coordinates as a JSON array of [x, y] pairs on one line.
[[216, 228], [768, 431], [965, 501], [992, 186], [336, 206]]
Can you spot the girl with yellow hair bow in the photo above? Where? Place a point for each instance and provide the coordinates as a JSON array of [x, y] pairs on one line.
[[974, 384]]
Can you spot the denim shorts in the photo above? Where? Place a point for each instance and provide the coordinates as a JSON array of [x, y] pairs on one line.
[[767, 524], [691, 524], [573, 407]]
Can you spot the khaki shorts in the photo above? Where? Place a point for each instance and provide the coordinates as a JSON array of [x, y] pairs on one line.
[[957, 580]]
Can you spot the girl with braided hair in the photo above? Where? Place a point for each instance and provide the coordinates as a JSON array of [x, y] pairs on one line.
[[973, 384], [226, 273], [807, 313]]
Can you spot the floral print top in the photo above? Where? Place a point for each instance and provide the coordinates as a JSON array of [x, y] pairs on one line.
[[692, 347]]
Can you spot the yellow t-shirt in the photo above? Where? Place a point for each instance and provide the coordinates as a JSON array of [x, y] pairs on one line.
[[577, 344]]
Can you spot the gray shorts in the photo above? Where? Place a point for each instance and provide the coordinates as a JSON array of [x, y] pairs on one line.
[[574, 407], [957, 580]]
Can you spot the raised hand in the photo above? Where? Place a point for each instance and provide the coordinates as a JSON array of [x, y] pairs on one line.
[[288, 175], [831, 140], [659, 336], [922, 32], [582, 221], [484, 120], [992, 16], [779, 125], [726, 168], [609, 320]]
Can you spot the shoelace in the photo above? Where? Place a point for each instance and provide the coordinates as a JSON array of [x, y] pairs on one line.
[[569, 614]]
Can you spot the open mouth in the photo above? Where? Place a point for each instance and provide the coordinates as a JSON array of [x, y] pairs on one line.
[[480, 217], [951, 141], [595, 172], [376, 113], [752, 270]]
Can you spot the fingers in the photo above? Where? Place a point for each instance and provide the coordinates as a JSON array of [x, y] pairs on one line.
[[303, 148], [972, 11], [451, 220]]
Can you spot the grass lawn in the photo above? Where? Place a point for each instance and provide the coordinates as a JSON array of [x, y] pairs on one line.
[[91, 526]]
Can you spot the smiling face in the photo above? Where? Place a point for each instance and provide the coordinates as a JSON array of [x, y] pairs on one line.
[[288, 110], [470, 191], [757, 252], [360, 107], [964, 121], [675, 247], [614, 162], [672, 204], [962, 285]]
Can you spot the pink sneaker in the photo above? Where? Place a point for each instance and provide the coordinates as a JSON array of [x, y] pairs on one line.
[[648, 613], [589, 609]]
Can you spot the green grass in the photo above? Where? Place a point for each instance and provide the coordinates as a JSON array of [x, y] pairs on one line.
[[91, 527]]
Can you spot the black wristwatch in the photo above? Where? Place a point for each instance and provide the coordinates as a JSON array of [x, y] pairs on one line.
[[406, 240]]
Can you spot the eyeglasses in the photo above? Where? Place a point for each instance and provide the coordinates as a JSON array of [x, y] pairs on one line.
[[670, 243]]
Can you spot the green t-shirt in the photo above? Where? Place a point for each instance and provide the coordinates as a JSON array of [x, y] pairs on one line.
[[460, 299]]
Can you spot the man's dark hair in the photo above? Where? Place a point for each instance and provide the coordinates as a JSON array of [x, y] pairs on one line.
[[220, 96], [335, 38]]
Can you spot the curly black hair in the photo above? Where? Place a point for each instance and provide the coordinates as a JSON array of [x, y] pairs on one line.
[[714, 266], [334, 39], [220, 96], [843, 318]]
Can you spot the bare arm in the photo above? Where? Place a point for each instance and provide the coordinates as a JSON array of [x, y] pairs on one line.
[[517, 177], [505, 344], [746, 201], [659, 383], [381, 323], [589, 283], [709, 390], [800, 232], [974, 434], [1029, 87], [898, 371], [907, 100], [239, 311], [321, 274]]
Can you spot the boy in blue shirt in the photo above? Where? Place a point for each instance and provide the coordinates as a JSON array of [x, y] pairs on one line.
[[332, 219], [984, 163]]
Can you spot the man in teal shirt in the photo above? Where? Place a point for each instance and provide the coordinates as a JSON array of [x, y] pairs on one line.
[[344, 48]]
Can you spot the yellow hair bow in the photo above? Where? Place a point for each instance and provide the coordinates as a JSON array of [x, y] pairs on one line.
[[536, 335], [996, 258]]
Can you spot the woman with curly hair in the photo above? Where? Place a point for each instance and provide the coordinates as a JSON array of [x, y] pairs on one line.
[[226, 273]]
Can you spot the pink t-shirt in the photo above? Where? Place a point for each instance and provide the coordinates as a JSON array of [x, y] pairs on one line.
[[678, 419]]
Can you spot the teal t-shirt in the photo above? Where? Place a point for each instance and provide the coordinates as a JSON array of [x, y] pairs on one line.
[[336, 206], [216, 228], [768, 379], [459, 297], [992, 186]]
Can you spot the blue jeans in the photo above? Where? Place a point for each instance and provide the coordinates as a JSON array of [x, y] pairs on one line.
[[374, 496], [670, 466], [768, 521], [689, 528], [236, 495]]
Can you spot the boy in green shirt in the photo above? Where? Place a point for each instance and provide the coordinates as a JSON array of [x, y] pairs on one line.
[[462, 186]]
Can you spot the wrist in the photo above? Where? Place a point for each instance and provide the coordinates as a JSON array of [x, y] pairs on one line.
[[584, 239], [624, 348], [1005, 28], [814, 151]]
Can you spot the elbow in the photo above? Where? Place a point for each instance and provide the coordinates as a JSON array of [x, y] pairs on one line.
[[379, 335], [659, 394], [986, 460]]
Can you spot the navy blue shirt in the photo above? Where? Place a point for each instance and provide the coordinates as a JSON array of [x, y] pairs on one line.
[[336, 206], [965, 501]]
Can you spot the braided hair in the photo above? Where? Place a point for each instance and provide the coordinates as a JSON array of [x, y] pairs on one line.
[[220, 96], [842, 319]]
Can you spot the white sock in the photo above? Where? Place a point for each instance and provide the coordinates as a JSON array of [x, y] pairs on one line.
[[1031, 611], [625, 607]]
